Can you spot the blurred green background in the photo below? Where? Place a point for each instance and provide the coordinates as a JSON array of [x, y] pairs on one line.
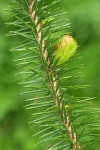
[[84, 16]]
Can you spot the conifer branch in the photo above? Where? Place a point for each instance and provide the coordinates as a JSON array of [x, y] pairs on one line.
[[49, 71], [66, 120]]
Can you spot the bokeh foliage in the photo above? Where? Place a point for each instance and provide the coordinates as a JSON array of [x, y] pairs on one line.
[[84, 17]]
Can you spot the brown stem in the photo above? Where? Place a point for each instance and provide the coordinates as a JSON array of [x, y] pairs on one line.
[[66, 123]]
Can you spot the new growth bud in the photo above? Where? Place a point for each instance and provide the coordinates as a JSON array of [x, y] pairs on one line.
[[65, 49]]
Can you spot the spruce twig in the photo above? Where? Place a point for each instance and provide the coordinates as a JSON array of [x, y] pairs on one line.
[[67, 121], [49, 71]]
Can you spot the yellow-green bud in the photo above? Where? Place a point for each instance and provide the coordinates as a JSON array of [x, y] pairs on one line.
[[65, 49]]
